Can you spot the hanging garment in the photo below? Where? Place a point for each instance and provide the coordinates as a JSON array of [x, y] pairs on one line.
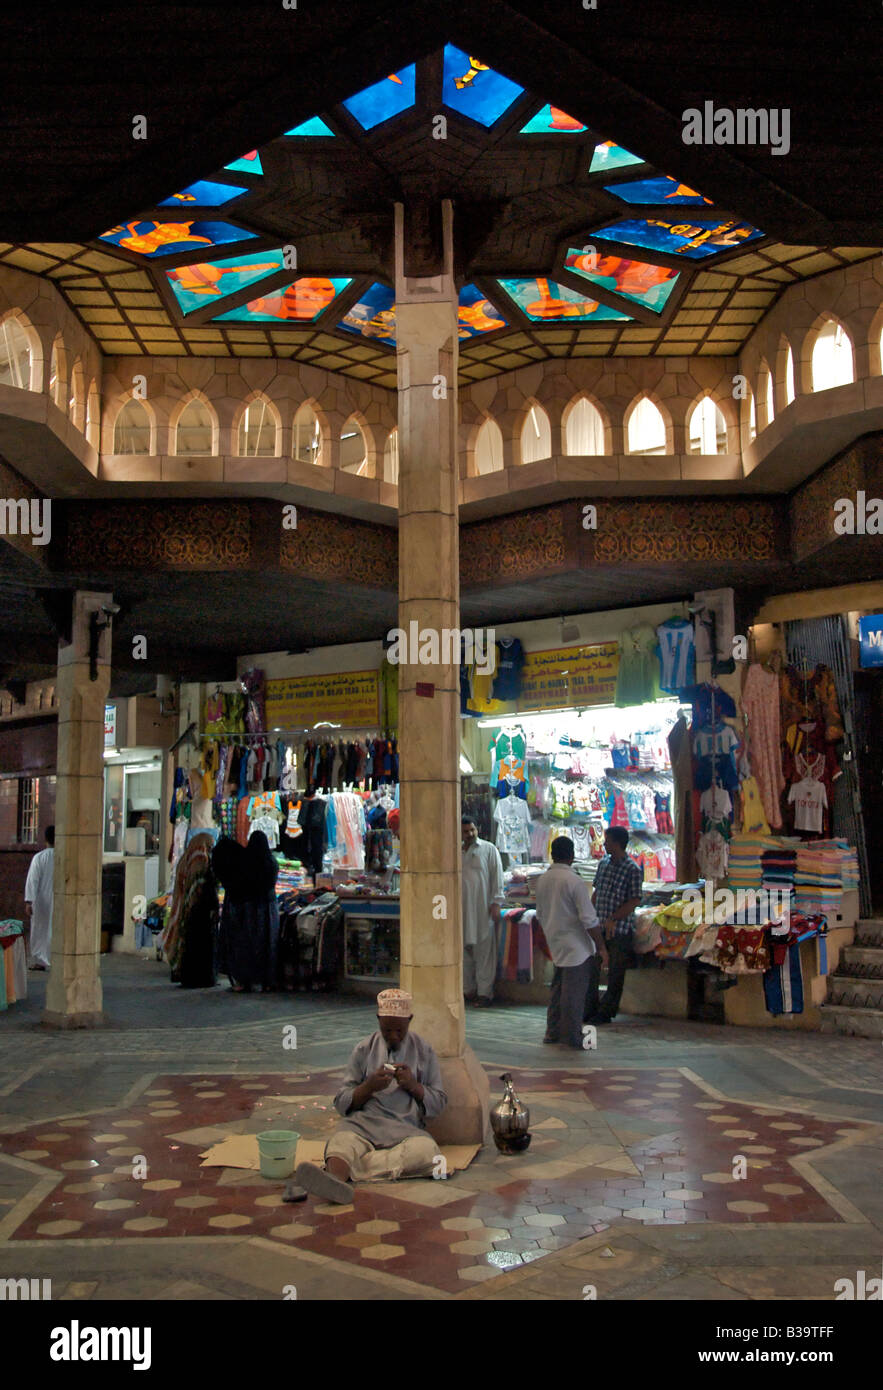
[[809, 799], [682, 774], [677, 661], [808, 695], [512, 819], [760, 702], [637, 679], [510, 662], [754, 821]]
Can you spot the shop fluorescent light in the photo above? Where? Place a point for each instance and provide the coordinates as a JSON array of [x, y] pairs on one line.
[[465, 764]]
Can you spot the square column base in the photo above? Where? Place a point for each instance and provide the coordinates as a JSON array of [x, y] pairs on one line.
[[466, 1117], [52, 1019]]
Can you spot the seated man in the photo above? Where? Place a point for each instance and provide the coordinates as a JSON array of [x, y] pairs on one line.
[[391, 1086]]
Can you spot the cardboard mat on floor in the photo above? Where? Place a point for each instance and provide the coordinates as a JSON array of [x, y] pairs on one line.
[[241, 1151]]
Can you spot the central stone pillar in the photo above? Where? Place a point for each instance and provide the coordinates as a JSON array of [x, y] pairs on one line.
[[73, 991], [429, 678]]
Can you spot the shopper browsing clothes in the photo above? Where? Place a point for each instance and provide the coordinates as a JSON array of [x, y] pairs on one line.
[[249, 932], [573, 935], [618, 891], [482, 896], [391, 1087], [38, 904], [190, 938]]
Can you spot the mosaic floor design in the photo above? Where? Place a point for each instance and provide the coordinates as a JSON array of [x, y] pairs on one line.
[[639, 1145]]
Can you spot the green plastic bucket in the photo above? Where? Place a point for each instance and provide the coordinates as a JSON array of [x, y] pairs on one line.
[[277, 1148]]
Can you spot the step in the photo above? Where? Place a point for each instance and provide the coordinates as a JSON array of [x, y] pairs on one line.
[[863, 961], [869, 932], [859, 1023], [855, 991]]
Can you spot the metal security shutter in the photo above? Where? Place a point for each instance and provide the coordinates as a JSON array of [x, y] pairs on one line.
[[808, 642]]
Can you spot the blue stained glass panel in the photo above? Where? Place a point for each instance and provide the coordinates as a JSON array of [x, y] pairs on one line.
[[608, 156], [657, 190], [385, 99], [196, 285], [475, 90], [301, 302], [477, 314], [204, 194], [552, 121], [152, 239], [546, 301], [695, 238], [249, 163], [374, 316], [650, 285], [314, 126]]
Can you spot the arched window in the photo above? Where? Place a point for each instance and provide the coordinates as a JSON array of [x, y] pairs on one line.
[[194, 432], [131, 430], [307, 436], [766, 397], [536, 436], [583, 429], [257, 430], [752, 418], [790, 387], [391, 457], [646, 429], [832, 363], [75, 402], [489, 448], [15, 355], [353, 448], [93, 416], [707, 429], [56, 374]]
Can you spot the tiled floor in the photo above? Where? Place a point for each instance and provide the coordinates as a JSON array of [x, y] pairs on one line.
[[765, 1147]]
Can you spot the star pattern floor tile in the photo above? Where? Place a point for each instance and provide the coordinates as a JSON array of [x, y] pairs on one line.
[[611, 1149]]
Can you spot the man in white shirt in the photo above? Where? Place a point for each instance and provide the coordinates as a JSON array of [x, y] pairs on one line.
[[482, 898], [573, 935], [38, 904]]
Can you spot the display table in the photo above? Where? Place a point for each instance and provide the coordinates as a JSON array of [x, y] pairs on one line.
[[13, 965]]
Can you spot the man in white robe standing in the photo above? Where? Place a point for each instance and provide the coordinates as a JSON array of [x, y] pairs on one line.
[[38, 904], [482, 900]]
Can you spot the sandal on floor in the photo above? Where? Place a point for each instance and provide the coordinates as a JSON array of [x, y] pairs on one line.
[[323, 1184]]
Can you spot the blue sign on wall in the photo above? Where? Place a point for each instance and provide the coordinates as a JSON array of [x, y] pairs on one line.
[[871, 639]]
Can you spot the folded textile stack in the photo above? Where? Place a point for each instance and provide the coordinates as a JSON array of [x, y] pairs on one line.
[[744, 863], [819, 883], [779, 867], [291, 875]]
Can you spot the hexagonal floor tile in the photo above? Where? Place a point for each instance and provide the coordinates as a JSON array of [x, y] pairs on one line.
[[158, 1092], [383, 1252], [377, 1228], [74, 1124], [739, 1134], [783, 1189], [59, 1228], [54, 1136], [80, 1165], [758, 1149], [209, 1095], [806, 1142], [472, 1247], [473, 1274], [34, 1154], [684, 1194], [353, 1241], [292, 1232], [718, 1177], [644, 1213], [749, 1208], [332, 1209], [126, 1124], [545, 1219], [113, 1204], [229, 1222], [270, 1201], [461, 1223], [145, 1223], [106, 1138], [162, 1184], [192, 1203], [723, 1119], [784, 1124]]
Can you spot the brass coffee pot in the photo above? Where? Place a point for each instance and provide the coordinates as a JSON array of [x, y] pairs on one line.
[[510, 1120]]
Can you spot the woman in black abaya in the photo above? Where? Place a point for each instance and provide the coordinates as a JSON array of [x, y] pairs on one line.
[[249, 933]]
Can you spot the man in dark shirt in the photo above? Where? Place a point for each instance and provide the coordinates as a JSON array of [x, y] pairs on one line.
[[618, 891]]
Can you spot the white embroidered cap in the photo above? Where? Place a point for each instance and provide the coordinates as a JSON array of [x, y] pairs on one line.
[[394, 1003]]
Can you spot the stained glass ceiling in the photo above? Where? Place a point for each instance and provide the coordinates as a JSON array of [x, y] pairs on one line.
[[267, 257]]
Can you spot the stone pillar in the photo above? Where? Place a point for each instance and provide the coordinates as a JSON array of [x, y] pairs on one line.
[[73, 993], [429, 719]]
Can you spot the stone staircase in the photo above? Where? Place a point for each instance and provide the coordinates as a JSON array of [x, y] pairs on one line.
[[855, 992]]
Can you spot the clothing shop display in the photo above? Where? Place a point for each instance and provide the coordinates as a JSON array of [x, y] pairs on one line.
[[637, 680], [510, 660], [677, 656], [760, 704]]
